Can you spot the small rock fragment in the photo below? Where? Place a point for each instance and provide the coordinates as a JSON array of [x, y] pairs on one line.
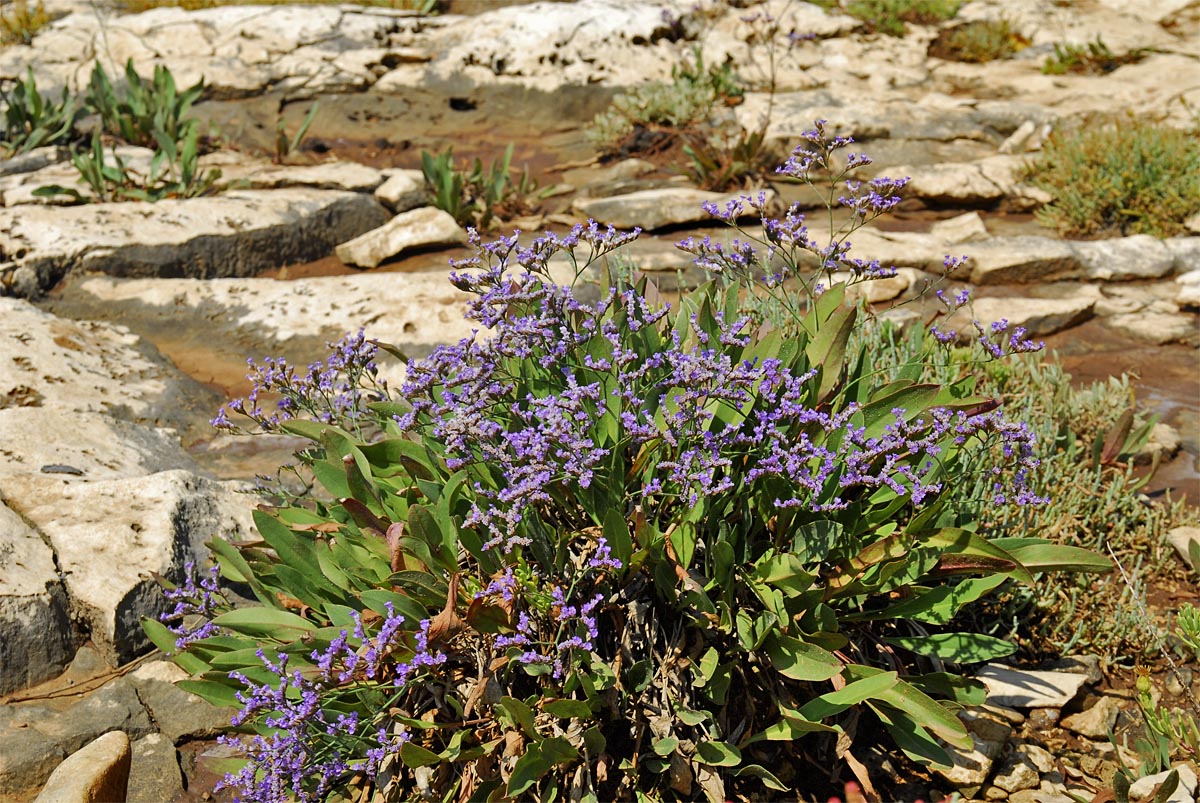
[[1096, 722], [415, 229]]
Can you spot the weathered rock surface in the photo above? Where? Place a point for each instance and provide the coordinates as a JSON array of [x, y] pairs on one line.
[[1016, 772], [100, 448], [1182, 539], [986, 182], [403, 190], [1024, 688], [178, 714], [1137, 257], [239, 233], [1019, 260], [965, 228], [655, 209], [88, 366], [99, 773], [1154, 327], [1096, 722], [111, 536], [1185, 792], [989, 733], [154, 774], [240, 173], [1039, 316], [419, 228], [35, 628]]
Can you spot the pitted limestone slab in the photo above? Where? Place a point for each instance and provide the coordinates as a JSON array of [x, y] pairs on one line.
[[88, 366], [1020, 260], [35, 629], [112, 536]]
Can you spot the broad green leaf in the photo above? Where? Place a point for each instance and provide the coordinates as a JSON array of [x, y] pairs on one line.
[[913, 400], [414, 756], [1058, 558], [959, 648], [940, 604], [665, 746], [965, 551], [520, 714], [927, 712], [616, 533], [960, 689], [828, 348], [764, 775], [788, 729], [835, 702], [165, 640], [912, 738], [800, 660], [528, 770], [718, 754], [568, 709], [218, 694], [265, 622]]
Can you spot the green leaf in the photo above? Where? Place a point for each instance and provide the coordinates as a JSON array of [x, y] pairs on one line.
[[219, 694], [568, 709], [1059, 558], [913, 399], [164, 639], [828, 348], [962, 690], [265, 622], [912, 738], [665, 746], [940, 604], [528, 770], [925, 711], [800, 660], [718, 754], [835, 702], [414, 756], [616, 533], [520, 715], [959, 648]]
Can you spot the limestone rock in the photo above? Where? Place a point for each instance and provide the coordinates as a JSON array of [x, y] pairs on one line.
[[655, 209], [115, 706], [99, 773], [1185, 252], [100, 448], [1039, 316], [28, 757], [35, 629], [403, 190], [1025, 259], [154, 774], [1080, 664], [1154, 327], [1024, 688], [1124, 258], [89, 366], [1184, 793], [1096, 722], [111, 535], [239, 233], [1189, 290], [1016, 772], [418, 228], [988, 181], [1163, 444], [989, 733], [344, 176], [1182, 539], [966, 228], [178, 714]]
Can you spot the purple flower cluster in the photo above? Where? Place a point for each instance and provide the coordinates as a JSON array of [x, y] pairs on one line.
[[330, 391], [552, 638], [311, 744], [194, 597]]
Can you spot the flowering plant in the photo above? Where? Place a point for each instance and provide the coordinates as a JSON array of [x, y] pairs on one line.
[[615, 549]]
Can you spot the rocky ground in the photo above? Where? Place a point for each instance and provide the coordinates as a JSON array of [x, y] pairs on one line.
[[123, 326]]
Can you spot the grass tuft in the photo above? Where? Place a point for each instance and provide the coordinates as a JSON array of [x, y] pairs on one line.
[[1128, 177]]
